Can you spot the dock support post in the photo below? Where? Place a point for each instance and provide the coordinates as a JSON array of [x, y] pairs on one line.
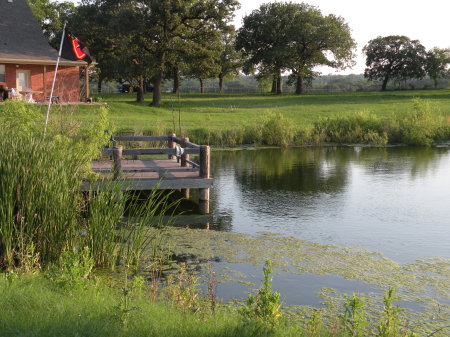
[[117, 162], [171, 144], [203, 193], [184, 159]]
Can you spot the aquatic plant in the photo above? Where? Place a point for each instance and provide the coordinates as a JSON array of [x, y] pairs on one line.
[[353, 319], [265, 306], [183, 291], [314, 325], [391, 324], [44, 215]]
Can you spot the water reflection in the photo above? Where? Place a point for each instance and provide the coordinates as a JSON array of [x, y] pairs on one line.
[[392, 200]]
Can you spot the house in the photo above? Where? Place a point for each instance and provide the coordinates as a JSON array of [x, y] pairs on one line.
[[27, 61]]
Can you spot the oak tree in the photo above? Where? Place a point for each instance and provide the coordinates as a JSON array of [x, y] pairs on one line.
[[437, 64], [394, 57], [294, 37]]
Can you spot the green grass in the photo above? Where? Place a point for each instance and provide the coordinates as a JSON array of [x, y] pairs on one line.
[[31, 305], [215, 111], [235, 119]]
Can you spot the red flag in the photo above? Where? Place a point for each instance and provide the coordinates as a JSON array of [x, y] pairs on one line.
[[75, 50]]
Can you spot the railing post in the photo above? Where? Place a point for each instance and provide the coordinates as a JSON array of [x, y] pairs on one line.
[[184, 157], [171, 144], [117, 162], [205, 152], [203, 193]]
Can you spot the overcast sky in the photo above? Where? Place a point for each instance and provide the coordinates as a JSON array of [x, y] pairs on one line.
[[427, 21]]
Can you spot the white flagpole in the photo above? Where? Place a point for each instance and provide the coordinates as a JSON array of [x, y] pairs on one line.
[[54, 78]]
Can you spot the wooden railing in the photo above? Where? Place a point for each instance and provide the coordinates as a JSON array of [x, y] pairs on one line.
[[177, 148]]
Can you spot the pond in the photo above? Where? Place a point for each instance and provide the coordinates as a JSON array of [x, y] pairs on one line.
[[346, 219], [391, 200]]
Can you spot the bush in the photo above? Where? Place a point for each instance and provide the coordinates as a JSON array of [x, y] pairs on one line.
[[362, 128], [421, 126], [277, 130]]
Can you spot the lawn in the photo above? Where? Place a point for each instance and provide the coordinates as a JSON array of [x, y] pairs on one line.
[[231, 111]]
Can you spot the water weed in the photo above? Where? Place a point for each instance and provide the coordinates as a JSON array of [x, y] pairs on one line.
[[265, 306], [353, 319], [391, 324], [314, 325], [183, 291]]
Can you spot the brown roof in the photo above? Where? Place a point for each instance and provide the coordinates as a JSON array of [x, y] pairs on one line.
[[21, 37]]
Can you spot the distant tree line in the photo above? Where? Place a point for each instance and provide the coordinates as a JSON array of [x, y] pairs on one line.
[[398, 58], [160, 41]]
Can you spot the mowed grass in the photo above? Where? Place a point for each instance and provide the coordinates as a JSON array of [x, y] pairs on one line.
[[232, 111]]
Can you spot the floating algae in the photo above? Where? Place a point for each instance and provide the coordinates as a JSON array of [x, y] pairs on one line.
[[423, 286]]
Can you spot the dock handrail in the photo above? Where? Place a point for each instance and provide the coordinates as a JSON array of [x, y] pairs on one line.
[[179, 148]]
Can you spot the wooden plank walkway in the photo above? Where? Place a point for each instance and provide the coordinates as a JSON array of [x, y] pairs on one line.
[[147, 174], [177, 172]]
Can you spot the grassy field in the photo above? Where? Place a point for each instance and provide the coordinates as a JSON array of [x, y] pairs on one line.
[[408, 117], [215, 111]]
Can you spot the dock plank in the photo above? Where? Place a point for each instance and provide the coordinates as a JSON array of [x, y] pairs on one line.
[[149, 184]]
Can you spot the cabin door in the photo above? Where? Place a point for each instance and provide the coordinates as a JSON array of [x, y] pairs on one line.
[[23, 80]]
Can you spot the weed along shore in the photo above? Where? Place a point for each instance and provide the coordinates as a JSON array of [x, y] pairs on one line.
[[406, 117], [105, 262]]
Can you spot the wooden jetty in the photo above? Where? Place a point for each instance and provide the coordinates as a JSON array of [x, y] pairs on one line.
[[134, 169]]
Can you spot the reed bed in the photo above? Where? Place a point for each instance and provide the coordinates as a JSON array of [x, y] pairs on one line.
[[44, 215]]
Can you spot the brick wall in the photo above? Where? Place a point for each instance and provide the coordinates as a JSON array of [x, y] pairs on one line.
[[67, 84]]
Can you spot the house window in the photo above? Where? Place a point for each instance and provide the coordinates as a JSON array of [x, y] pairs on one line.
[[2, 73]]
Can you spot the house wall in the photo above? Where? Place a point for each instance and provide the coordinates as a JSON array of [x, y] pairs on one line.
[[67, 85]]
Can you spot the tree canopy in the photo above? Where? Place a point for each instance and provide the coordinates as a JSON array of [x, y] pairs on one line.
[[437, 64], [294, 37], [51, 16], [394, 57], [145, 39]]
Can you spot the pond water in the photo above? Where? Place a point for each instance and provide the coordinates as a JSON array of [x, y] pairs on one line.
[[392, 200], [351, 219]]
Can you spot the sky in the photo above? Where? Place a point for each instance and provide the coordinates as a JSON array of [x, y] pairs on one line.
[[427, 21]]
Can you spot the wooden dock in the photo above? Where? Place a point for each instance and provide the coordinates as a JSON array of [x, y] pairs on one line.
[[134, 169]]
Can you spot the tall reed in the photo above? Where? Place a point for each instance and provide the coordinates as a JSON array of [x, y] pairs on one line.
[[43, 211], [39, 193]]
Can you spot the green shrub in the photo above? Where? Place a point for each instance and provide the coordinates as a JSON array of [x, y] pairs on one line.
[[277, 129], [362, 128], [420, 127]]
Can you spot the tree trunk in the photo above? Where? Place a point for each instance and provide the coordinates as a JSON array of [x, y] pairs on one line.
[[385, 82], [279, 84], [99, 85], [156, 100], [274, 85], [176, 81], [299, 86], [140, 91], [158, 80], [202, 86], [221, 83]]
